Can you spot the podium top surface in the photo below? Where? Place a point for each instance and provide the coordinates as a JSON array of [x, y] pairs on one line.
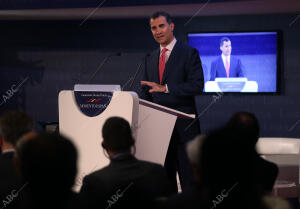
[[166, 109], [96, 87], [234, 79]]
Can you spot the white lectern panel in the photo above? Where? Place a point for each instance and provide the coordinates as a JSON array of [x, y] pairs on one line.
[[85, 131], [154, 133], [155, 127]]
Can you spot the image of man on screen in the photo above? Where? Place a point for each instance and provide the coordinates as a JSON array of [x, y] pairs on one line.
[[226, 65]]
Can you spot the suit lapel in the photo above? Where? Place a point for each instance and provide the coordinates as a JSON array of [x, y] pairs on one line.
[[171, 62], [224, 74]]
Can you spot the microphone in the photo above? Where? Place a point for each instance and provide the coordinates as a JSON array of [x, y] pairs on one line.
[[139, 69], [101, 65]]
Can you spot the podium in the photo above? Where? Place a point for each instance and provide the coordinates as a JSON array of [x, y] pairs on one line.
[[231, 85], [83, 113]]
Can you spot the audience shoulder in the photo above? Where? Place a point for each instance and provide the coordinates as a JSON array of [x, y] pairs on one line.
[[151, 164]]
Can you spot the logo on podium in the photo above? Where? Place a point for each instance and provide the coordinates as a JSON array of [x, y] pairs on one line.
[[92, 103]]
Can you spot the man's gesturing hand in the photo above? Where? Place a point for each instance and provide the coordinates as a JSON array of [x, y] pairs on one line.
[[154, 86]]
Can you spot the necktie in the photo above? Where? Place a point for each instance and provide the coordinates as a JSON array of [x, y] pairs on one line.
[[227, 67], [162, 64]]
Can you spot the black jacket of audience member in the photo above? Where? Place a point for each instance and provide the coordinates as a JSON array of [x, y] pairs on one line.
[[265, 174], [227, 174], [125, 183], [10, 182], [192, 198], [50, 200], [245, 127]]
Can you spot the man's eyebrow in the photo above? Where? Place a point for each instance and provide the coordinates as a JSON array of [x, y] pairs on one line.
[[160, 25]]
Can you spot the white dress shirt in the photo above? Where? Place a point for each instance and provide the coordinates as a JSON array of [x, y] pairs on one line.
[[224, 58], [170, 47]]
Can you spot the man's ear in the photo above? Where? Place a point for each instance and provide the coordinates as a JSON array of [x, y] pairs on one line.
[[103, 145], [172, 25]]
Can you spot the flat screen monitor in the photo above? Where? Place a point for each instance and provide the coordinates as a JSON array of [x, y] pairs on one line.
[[245, 62]]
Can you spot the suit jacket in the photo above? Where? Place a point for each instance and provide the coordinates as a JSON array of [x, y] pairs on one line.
[[10, 181], [51, 200], [192, 198], [266, 174], [183, 75], [125, 183], [218, 68]]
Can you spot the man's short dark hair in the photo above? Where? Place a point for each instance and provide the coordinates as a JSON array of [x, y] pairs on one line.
[[161, 13], [13, 125], [224, 39], [245, 124], [48, 161], [117, 134]]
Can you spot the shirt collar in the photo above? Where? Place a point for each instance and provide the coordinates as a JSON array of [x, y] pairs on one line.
[[120, 155], [223, 57], [170, 46]]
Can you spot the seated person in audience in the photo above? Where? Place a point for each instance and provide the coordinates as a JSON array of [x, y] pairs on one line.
[[48, 165], [189, 198], [13, 125], [126, 182], [192, 149], [246, 125], [227, 171], [224, 176]]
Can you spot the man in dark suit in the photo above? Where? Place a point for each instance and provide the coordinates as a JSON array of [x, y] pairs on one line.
[[173, 76], [226, 65], [126, 182], [48, 165], [246, 126], [13, 125]]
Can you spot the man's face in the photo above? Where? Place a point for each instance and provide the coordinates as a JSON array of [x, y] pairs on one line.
[[226, 48], [161, 30]]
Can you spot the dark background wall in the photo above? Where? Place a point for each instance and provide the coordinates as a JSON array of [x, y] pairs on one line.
[[45, 57]]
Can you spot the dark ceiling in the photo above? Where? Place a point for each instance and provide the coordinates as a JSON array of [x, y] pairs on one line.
[[120, 9], [55, 4]]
